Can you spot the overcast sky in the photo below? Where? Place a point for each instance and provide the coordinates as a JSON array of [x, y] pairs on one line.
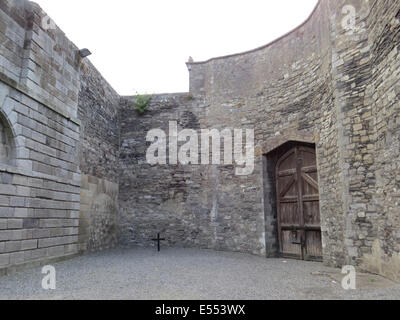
[[142, 46]]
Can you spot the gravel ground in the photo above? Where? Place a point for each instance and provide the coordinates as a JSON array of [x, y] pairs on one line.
[[187, 274]]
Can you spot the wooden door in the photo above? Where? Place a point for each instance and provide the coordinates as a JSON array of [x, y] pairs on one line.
[[299, 226]]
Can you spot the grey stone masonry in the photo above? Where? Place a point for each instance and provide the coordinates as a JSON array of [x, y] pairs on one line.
[[73, 169], [40, 177], [58, 134]]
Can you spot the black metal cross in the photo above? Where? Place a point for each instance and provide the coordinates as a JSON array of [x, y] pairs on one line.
[[158, 241]]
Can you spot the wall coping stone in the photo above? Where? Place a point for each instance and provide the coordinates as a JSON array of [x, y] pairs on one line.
[[262, 47]]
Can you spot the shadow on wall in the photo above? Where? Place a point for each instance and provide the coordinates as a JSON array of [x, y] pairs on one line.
[[7, 144]]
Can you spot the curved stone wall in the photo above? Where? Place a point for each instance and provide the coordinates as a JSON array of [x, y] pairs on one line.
[[280, 89], [321, 83]]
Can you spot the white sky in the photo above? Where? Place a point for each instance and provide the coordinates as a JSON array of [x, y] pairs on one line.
[[142, 46]]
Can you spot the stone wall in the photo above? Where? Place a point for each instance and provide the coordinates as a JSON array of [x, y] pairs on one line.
[[382, 215], [281, 88], [365, 77], [99, 151], [42, 203], [98, 224], [98, 113], [40, 185], [165, 198], [320, 85]]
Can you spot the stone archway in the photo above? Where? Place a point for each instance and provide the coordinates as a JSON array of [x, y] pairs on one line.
[[7, 143], [293, 135], [273, 151], [297, 192]]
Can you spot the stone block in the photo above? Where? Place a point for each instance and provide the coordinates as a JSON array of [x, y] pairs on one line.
[[5, 235], [14, 223], [17, 257], [17, 201], [4, 259], [6, 178], [56, 251], [12, 246], [29, 244], [5, 212]]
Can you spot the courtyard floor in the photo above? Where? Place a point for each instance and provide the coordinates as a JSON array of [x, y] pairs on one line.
[[191, 274]]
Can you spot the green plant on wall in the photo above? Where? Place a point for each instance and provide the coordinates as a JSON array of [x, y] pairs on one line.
[[142, 102]]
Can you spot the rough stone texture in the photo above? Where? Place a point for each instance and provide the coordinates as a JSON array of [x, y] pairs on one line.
[[99, 214], [166, 199], [320, 85], [98, 111], [379, 235]]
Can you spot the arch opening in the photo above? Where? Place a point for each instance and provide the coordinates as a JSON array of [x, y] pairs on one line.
[[7, 142]]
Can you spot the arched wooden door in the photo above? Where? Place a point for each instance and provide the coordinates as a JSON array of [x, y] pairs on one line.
[[299, 225]]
